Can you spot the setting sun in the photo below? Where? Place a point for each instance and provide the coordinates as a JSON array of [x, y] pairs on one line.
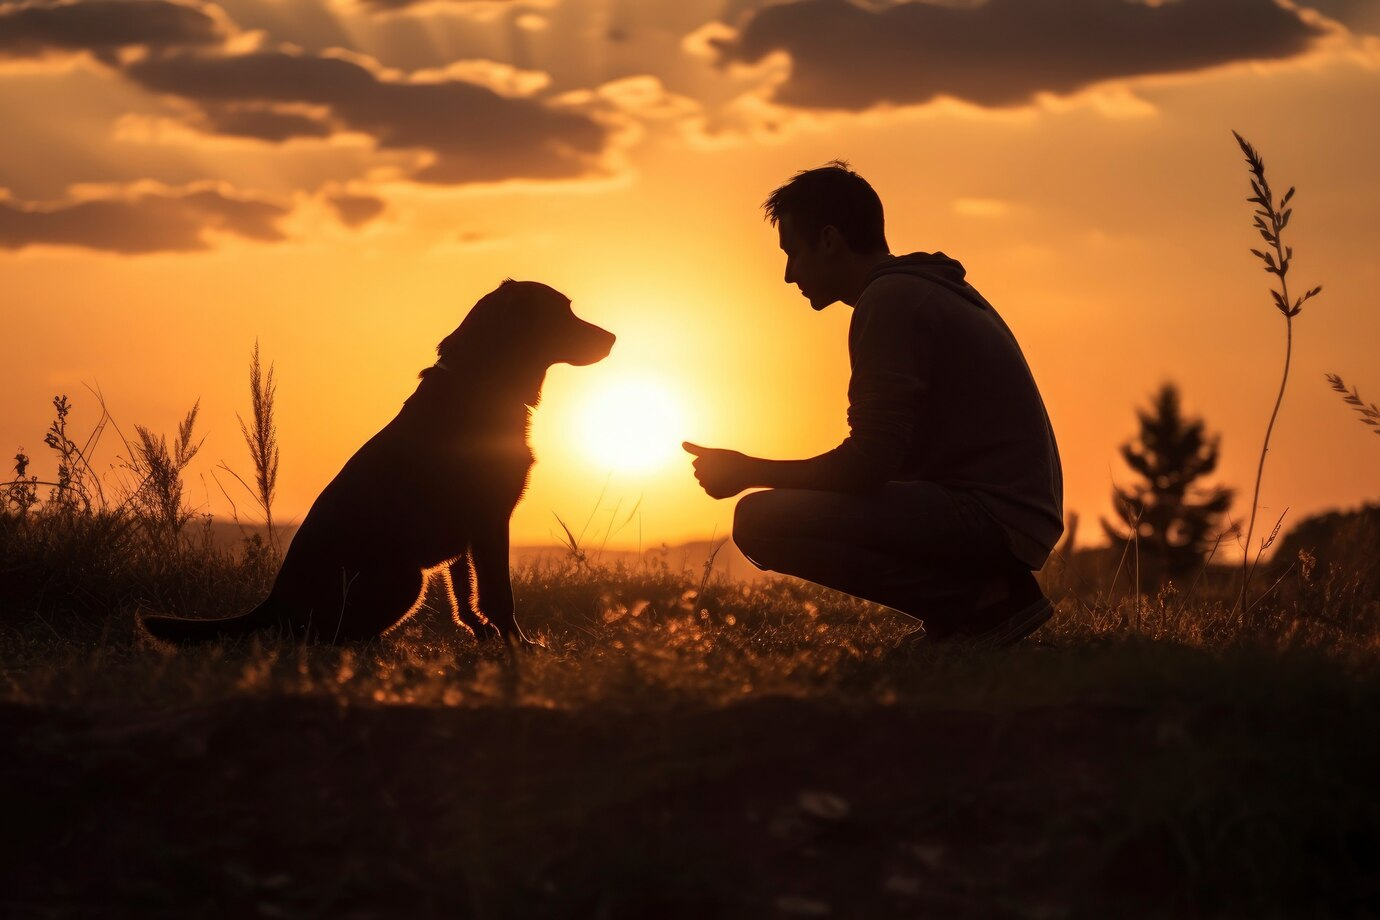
[[631, 424]]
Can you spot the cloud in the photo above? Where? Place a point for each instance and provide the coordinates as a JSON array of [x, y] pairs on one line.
[[356, 210], [141, 222], [261, 123], [469, 133], [477, 10], [1361, 16], [1002, 52], [103, 27]]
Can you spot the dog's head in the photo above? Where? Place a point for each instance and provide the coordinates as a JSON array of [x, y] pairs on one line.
[[527, 324]]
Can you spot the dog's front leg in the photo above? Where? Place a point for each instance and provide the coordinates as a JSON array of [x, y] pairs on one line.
[[489, 553], [462, 606]]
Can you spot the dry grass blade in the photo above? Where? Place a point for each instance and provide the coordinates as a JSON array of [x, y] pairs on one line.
[[571, 542], [1369, 412], [709, 567], [637, 506]]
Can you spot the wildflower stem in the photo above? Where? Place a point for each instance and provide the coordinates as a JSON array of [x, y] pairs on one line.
[[1264, 449]]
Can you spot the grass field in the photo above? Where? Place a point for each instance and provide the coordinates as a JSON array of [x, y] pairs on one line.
[[685, 747]]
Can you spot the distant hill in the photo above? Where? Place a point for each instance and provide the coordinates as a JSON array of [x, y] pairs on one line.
[[729, 562], [229, 534], [1346, 539]]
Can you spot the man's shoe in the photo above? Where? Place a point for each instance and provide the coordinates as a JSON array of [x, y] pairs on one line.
[[1006, 622]]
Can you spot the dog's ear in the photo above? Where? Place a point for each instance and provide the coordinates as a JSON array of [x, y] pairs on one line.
[[483, 324]]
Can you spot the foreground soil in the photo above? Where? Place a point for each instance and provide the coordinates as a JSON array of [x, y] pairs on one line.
[[772, 807]]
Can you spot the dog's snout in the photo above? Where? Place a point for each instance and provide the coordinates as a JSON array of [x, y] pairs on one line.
[[594, 344], [603, 342]]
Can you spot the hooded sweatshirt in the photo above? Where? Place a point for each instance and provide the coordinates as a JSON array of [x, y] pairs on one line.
[[940, 392]]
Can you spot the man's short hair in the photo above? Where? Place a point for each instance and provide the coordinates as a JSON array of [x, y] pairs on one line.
[[831, 196]]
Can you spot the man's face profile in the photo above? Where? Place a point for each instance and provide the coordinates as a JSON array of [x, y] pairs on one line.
[[808, 264]]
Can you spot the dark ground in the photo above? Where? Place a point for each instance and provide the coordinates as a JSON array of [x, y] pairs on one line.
[[771, 807]]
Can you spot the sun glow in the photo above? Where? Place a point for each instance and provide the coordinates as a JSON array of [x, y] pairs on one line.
[[631, 424]]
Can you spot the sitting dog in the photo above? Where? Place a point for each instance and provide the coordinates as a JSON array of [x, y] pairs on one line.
[[436, 487]]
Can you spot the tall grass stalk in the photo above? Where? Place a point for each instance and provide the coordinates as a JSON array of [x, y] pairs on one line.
[[262, 439], [1270, 220]]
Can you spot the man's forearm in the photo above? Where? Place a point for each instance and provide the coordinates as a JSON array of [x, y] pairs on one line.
[[834, 471], [781, 474]]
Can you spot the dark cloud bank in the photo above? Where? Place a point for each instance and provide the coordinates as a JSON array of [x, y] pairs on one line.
[[467, 133], [473, 133], [176, 221], [1003, 52], [103, 26], [843, 56]]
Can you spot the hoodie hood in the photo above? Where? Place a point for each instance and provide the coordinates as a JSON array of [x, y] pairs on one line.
[[934, 267]]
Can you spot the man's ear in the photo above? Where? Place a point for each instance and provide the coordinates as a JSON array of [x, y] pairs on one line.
[[830, 240]]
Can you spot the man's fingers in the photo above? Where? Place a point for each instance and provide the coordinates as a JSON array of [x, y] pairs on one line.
[[708, 467]]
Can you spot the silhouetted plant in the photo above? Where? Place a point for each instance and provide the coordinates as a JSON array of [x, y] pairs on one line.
[[72, 491], [263, 439], [21, 494], [1369, 412], [158, 497], [1172, 520], [69, 562], [1270, 220]]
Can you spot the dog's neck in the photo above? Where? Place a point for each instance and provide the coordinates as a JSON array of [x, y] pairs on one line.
[[527, 392]]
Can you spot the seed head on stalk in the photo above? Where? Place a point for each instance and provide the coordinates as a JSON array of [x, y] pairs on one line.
[[1270, 220]]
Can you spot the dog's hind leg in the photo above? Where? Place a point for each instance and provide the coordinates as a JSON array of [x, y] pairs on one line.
[[463, 610], [370, 603]]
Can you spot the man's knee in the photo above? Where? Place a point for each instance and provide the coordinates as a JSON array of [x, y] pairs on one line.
[[752, 527]]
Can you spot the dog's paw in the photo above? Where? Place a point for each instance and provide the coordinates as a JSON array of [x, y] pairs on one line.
[[486, 633]]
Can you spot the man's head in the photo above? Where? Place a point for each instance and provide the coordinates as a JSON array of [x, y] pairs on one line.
[[832, 231]]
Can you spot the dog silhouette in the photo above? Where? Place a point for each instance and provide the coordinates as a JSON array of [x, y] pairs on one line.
[[435, 488]]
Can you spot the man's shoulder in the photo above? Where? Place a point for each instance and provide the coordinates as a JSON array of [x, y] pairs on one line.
[[895, 287], [901, 292]]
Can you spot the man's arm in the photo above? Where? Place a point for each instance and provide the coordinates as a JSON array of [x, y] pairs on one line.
[[890, 358], [725, 473]]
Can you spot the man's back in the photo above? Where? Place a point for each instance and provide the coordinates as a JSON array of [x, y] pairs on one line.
[[941, 392]]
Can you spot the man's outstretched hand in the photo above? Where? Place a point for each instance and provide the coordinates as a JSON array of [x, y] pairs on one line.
[[721, 473]]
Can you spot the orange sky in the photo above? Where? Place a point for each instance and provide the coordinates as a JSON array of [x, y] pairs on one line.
[[341, 180]]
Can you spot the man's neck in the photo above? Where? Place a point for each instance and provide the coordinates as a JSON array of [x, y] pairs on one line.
[[862, 266]]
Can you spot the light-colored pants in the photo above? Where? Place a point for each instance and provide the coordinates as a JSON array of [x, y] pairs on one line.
[[916, 547]]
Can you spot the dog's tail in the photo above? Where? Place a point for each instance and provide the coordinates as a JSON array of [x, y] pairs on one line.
[[189, 631]]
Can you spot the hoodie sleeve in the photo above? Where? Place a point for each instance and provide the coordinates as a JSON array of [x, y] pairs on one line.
[[890, 356]]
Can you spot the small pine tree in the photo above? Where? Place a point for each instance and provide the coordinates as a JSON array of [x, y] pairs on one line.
[[1173, 518]]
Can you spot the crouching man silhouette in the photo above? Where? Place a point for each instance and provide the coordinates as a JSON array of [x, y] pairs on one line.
[[948, 490]]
